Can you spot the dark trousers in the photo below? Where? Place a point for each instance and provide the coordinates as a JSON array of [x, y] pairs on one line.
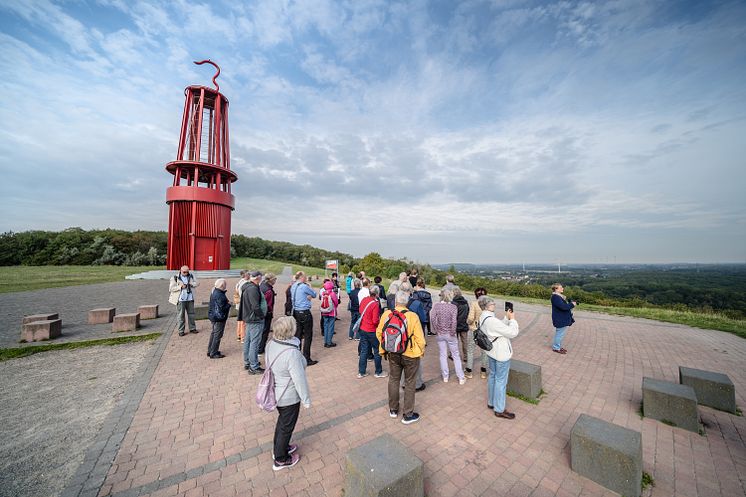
[[304, 330], [368, 345], [265, 333], [286, 419], [218, 327], [398, 364]]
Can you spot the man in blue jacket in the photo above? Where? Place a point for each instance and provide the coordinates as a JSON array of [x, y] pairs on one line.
[[218, 313], [561, 316]]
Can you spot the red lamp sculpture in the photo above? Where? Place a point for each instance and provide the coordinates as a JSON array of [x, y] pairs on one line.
[[200, 200]]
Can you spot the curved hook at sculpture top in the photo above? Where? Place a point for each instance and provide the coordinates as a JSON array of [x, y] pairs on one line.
[[208, 61]]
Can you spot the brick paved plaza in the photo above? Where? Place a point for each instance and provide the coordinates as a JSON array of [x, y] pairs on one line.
[[197, 431]]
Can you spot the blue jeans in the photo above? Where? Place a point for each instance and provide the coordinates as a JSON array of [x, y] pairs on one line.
[[496, 383], [354, 315], [368, 341], [559, 334], [251, 344], [328, 326]]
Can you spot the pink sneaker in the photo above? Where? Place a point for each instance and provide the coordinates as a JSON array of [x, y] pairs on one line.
[[277, 466]]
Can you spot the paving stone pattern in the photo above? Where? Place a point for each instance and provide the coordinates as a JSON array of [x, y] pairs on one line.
[[73, 303], [198, 432]]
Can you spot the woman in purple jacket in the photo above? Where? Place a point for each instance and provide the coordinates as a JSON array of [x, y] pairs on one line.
[[561, 316]]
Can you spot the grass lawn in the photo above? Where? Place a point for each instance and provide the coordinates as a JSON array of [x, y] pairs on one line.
[[273, 266], [707, 321], [16, 352], [21, 278]]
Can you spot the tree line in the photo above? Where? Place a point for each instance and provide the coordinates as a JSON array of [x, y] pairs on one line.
[[75, 246]]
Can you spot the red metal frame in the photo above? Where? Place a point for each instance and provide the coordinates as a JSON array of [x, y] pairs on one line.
[[200, 200]]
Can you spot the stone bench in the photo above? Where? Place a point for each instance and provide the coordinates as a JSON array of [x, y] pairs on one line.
[[671, 403], [148, 311], [383, 467], [524, 379], [102, 315], [40, 317], [608, 454], [126, 322], [712, 389], [201, 310], [47, 329]]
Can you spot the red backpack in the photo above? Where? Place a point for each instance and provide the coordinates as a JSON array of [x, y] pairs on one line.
[[327, 305], [395, 334]]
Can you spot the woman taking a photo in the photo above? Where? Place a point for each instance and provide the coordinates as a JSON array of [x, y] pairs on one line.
[[291, 388], [499, 332], [561, 316]]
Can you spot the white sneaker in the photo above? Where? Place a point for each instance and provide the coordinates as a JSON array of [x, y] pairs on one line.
[[383, 374], [445, 379], [462, 381], [362, 375]]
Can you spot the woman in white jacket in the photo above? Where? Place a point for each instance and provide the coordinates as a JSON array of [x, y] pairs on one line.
[[499, 332], [291, 388]]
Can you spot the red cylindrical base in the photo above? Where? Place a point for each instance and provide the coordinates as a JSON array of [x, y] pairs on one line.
[[199, 235]]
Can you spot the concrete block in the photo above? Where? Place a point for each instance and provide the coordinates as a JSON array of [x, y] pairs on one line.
[[712, 389], [40, 317], [102, 315], [41, 330], [524, 379], [200, 310], [608, 454], [670, 402], [383, 467], [148, 311], [126, 322]]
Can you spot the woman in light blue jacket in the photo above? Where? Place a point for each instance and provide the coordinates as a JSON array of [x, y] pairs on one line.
[[288, 366], [499, 332]]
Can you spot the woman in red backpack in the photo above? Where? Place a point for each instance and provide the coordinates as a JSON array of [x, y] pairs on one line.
[[329, 303]]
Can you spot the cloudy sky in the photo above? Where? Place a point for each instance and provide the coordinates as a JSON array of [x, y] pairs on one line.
[[445, 131]]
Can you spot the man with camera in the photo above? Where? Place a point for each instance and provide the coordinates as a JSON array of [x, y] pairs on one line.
[[182, 297]]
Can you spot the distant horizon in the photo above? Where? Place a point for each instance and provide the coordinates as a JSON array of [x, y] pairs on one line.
[[422, 260]]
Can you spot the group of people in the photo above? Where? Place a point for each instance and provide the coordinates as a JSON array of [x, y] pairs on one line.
[[406, 308]]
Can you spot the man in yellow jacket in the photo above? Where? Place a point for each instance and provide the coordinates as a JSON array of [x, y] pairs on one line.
[[405, 362]]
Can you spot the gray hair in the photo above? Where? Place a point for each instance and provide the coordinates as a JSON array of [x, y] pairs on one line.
[[484, 301], [270, 277], [393, 287], [449, 278], [283, 328], [406, 287], [356, 283], [446, 295], [401, 298], [374, 290], [403, 276], [220, 283], [456, 292]]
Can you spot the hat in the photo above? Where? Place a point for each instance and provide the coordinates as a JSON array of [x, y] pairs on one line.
[[255, 274], [328, 285]]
